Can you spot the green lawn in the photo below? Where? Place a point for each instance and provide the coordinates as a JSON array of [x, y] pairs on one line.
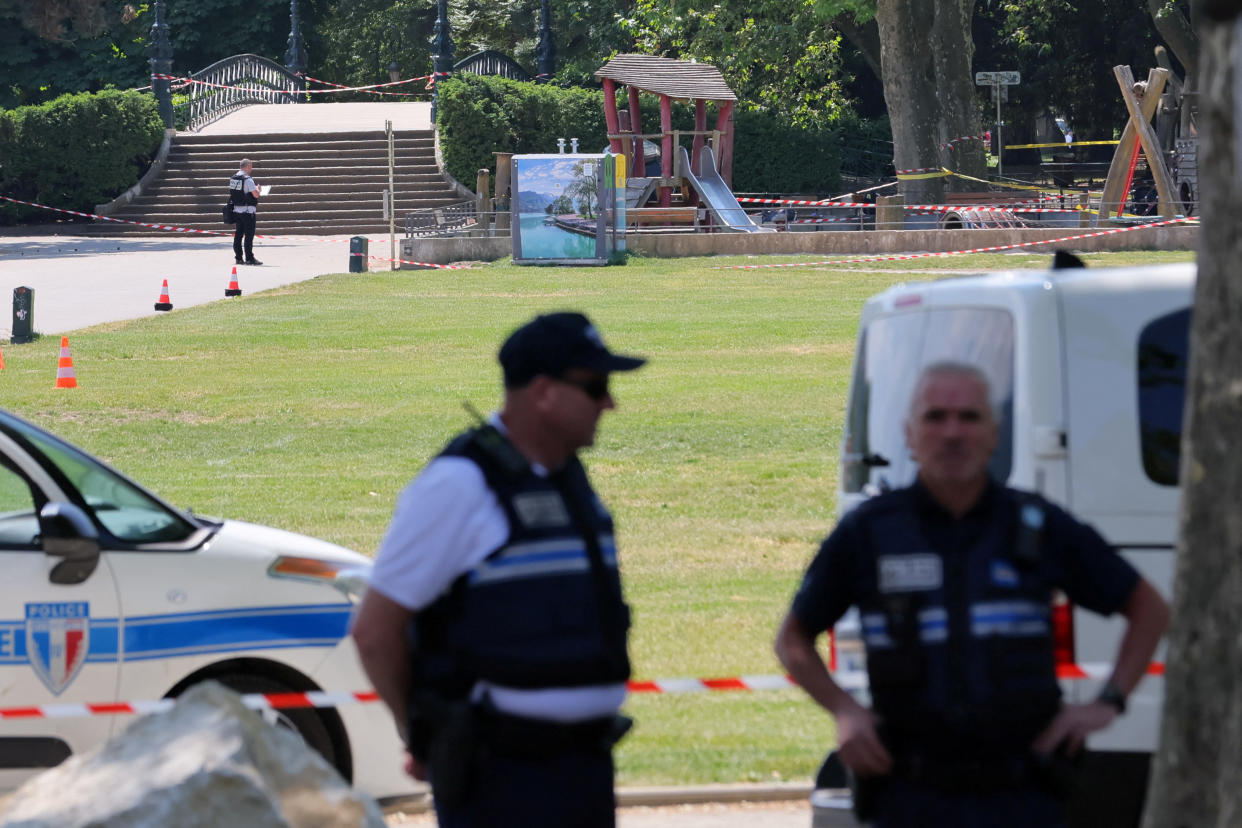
[[309, 408]]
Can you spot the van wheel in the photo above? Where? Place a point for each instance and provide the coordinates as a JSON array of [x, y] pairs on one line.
[[306, 722]]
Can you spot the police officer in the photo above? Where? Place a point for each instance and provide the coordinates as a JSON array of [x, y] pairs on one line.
[[494, 627], [244, 195], [953, 578]]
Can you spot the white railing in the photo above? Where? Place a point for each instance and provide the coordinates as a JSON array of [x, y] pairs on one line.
[[237, 81]]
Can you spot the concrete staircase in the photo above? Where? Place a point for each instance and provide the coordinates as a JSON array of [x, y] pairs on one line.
[[322, 183]]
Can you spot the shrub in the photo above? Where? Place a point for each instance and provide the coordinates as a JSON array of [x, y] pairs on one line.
[[75, 151], [478, 116]]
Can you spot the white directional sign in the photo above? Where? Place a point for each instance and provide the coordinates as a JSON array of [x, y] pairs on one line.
[[997, 78]]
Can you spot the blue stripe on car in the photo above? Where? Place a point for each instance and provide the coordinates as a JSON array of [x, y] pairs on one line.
[[198, 633]]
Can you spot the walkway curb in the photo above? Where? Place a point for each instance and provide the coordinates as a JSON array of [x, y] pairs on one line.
[[658, 796]]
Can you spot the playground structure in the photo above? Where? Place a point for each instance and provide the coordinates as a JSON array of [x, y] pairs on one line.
[[695, 176]]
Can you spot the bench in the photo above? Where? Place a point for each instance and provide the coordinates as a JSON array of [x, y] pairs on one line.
[[640, 216]]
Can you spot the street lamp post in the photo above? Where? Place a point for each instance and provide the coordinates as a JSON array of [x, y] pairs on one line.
[[295, 54], [161, 53], [545, 51], [442, 49]]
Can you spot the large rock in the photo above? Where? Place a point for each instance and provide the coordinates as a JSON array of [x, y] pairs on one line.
[[208, 762]]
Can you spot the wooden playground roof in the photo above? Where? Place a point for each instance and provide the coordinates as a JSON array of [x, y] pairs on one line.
[[665, 76]]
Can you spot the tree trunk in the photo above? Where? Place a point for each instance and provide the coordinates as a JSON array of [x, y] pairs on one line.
[[1176, 31], [909, 74], [864, 36], [925, 56], [954, 50], [1199, 762]]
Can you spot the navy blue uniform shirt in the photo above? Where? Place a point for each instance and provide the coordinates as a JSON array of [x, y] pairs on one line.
[[1078, 560]]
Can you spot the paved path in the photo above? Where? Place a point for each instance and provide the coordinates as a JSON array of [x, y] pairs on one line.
[[735, 815], [80, 281], [258, 119]]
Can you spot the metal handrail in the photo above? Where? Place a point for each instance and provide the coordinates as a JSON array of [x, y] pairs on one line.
[[240, 80]]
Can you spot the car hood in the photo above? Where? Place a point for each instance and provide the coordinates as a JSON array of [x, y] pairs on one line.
[[236, 537]]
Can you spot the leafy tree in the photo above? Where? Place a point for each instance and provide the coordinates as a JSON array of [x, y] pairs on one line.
[[753, 45]]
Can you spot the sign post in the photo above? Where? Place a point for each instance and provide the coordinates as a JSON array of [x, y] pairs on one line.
[[997, 80]]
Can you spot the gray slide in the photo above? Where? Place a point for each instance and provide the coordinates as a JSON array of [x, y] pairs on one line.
[[716, 194]]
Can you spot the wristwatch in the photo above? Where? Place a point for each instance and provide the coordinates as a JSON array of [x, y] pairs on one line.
[[1110, 693]]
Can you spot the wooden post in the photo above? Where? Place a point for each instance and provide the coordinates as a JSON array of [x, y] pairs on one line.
[[700, 126], [638, 161], [1084, 210], [666, 148], [610, 116], [504, 198], [890, 212], [1156, 79], [724, 152], [482, 190], [1113, 199]]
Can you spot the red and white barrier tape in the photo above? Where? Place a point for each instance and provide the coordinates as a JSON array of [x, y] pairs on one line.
[[174, 229], [993, 249], [317, 698]]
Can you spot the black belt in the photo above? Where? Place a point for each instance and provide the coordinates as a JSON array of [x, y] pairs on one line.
[[522, 737], [969, 775]]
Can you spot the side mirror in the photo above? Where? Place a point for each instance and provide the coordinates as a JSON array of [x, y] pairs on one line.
[[68, 533]]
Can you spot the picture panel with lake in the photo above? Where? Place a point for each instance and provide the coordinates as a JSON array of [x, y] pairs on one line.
[[562, 208]]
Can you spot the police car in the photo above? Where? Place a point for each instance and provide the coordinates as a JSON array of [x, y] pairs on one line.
[[1088, 370], [110, 595]]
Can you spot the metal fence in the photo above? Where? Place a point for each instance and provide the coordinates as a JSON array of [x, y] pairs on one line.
[[234, 82]]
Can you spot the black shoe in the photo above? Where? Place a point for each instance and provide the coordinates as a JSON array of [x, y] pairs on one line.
[[239, 260], [253, 262]]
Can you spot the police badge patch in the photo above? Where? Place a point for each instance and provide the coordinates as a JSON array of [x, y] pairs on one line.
[[58, 637]]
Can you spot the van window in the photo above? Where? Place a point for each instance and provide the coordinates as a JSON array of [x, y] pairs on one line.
[[1163, 355], [891, 352]]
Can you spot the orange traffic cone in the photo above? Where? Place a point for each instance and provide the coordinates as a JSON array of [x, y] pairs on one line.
[[1, 360], [233, 289], [164, 304], [65, 378]]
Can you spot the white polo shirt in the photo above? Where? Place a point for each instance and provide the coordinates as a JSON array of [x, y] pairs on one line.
[[446, 522]]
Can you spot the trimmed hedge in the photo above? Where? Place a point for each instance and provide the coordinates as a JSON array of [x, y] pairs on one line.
[[76, 151], [478, 116]]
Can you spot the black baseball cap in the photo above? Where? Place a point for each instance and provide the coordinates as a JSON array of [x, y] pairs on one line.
[[553, 343]]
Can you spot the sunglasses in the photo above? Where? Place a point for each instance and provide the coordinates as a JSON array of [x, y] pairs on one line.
[[594, 386]]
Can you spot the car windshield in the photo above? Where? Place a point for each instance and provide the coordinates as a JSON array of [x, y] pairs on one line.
[[891, 352], [125, 510]]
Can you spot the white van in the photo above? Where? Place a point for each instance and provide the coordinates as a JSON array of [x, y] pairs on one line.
[[1088, 369]]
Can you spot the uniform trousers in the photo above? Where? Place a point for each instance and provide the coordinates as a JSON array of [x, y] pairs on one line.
[[904, 804], [569, 790], [243, 232]]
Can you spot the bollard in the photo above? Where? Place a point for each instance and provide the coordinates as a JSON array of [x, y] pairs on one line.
[[358, 247], [23, 315]]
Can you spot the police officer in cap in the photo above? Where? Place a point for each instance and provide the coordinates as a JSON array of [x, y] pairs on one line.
[[953, 578], [494, 627]]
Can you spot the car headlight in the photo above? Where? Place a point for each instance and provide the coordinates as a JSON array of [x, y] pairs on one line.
[[350, 578]]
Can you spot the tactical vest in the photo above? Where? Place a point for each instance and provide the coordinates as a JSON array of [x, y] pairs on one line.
[[538, 611], [959, 645], [237, 191]]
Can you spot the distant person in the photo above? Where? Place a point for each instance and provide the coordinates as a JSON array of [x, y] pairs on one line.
[[953, 577], [244, 194], [494, 627]]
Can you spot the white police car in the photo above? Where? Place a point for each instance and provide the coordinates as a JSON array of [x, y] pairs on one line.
[[110, 595]]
